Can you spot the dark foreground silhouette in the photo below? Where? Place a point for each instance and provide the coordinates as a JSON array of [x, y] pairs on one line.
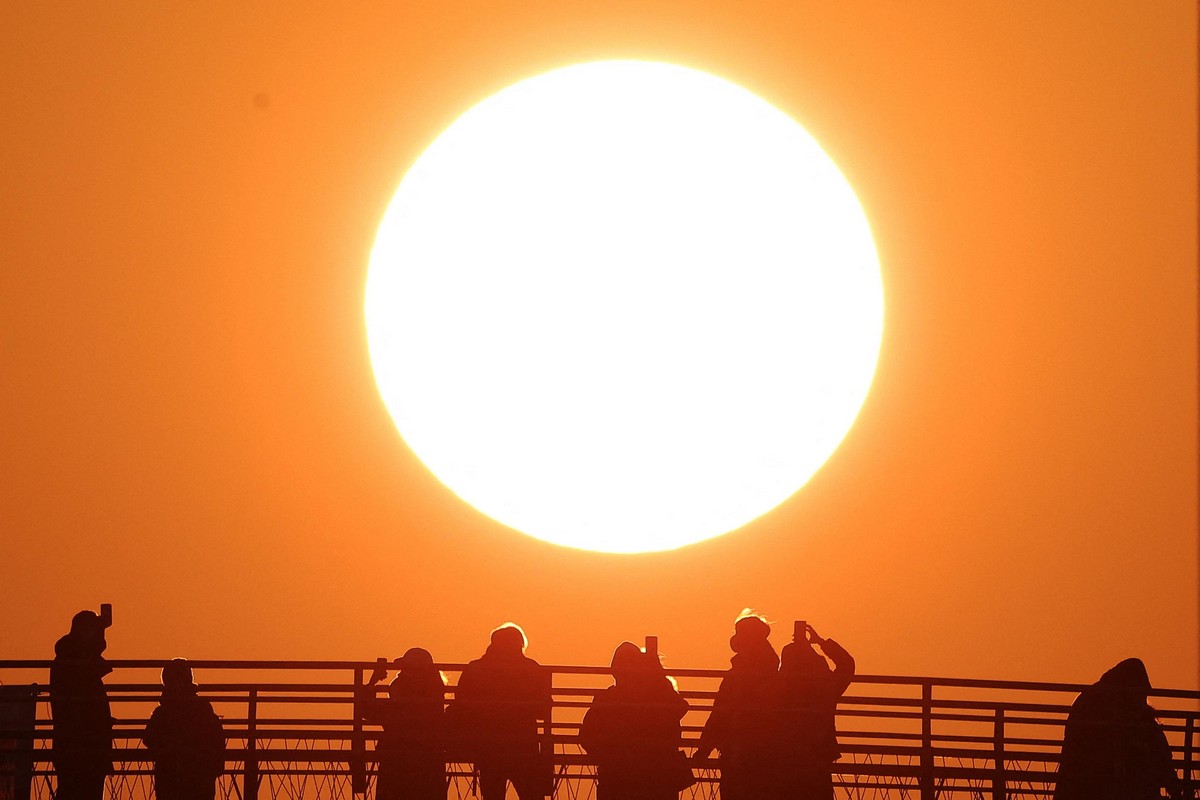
[[83, 724], [185, 739], [411, 752], [743, 715], [808, 693], [501, 700], [633, 731], [1113, 747]]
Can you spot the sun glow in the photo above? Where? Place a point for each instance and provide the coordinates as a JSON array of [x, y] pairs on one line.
[[624, 306]]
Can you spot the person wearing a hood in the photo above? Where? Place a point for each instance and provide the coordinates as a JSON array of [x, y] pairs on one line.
[[411, 753], [808, 696], [632, 730], [185, 739], [1113, 747], [499, 702], [741, 724], [83, 724]]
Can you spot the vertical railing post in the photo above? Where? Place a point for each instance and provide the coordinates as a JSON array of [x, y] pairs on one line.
[[547, 743], [1000, 776], [926, 779], [250, 768], [358, 741], [1189, 753]]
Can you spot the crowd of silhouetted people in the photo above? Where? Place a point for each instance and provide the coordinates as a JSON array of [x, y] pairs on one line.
[[771, 722]]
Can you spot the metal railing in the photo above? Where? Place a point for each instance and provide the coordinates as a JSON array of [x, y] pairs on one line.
[[292, 732]]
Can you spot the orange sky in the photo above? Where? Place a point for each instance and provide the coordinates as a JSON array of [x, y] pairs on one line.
[[191, 429]]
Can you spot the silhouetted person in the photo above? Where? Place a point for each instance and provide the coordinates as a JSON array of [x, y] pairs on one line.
[[741, 725], [83, 724], [503, 696], [412, 760], [185, 739], [1113, 747], [808, 696], [633, 731]]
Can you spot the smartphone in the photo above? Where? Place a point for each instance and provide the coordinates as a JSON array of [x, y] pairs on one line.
[[800, 631], [106, 614], [652, 647]]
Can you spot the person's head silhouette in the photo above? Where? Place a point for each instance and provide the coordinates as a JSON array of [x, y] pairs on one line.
[[1126, 684], [508, 640], [87, 632], [177, 678], [627, 662], [417, 672], [800, 658], [751, 642], [750, 632]]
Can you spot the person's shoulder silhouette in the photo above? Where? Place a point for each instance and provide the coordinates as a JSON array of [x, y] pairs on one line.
[[411, 715], [805, 670], [79, 663], [504, 676]]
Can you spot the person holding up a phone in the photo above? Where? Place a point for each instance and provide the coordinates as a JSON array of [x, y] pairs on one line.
[[83, 723]]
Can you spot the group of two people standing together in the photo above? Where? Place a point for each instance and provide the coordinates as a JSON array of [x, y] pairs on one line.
[[184, 737], [772, 721]]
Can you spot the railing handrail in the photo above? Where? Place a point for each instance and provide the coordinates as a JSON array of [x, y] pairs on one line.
[[575, 669]]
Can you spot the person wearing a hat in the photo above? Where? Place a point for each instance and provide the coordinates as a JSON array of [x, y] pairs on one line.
[[83, 724], [411, 752], [742, 722], [185, 739]]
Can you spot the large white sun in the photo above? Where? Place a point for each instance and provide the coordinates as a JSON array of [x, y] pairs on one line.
[[624, 306]]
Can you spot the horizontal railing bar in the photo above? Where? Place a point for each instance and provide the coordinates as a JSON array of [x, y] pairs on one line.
[[569, 669]]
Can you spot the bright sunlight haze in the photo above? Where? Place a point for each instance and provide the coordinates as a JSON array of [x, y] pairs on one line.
[[624, 306]]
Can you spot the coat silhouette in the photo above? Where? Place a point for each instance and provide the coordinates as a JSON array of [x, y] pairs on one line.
[[83, 723], [808, 696], [743, 720], [411, 753], [1113, 747], [185, 739], [498, 704], [632, 730]]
